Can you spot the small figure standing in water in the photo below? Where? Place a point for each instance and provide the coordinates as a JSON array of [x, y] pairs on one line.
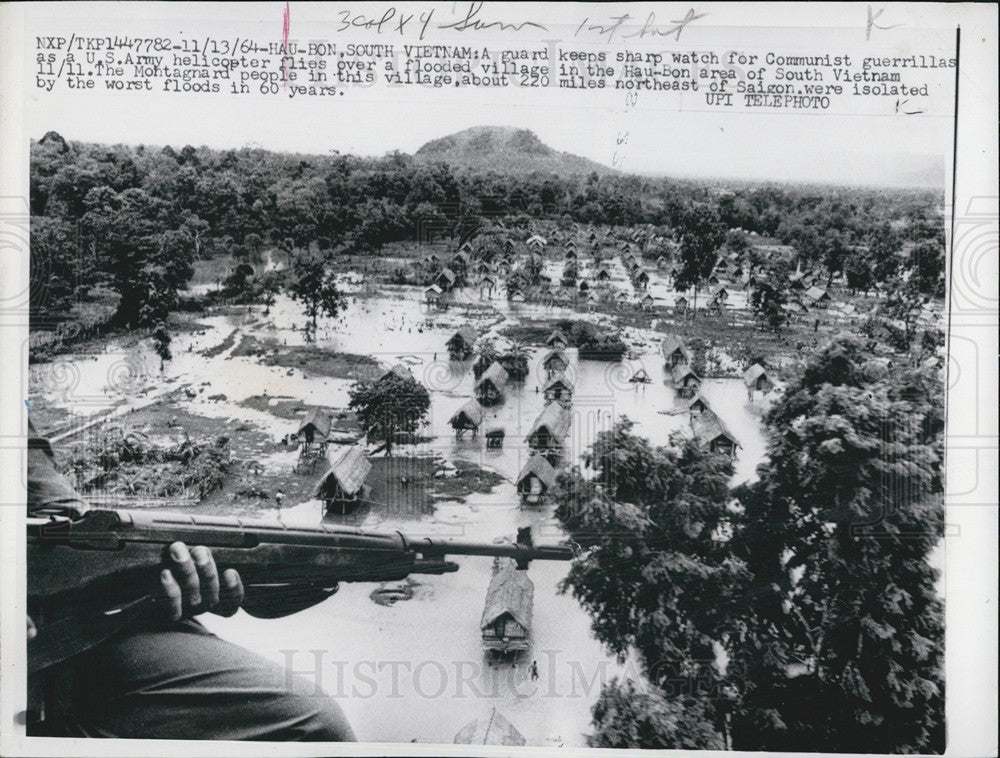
[[534, 671]]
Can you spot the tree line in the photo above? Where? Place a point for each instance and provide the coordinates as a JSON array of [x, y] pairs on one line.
[[134, 218]]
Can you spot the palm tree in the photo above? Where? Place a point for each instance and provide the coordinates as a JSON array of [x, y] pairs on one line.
[[515, 361], [486, 353]]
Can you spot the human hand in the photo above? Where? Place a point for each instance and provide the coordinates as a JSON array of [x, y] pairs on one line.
[[191, 584]]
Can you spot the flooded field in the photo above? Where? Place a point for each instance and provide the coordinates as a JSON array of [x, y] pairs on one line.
[[414, 670]]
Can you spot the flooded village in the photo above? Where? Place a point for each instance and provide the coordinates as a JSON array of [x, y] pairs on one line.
[[460, 381], [480, 466]]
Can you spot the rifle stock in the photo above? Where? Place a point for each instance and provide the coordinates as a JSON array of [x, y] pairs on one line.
[[90, 577]]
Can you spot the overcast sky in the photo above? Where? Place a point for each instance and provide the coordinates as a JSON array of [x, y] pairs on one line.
[[666, 134]]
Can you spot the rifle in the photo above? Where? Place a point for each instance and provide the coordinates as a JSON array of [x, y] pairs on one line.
[[95, 575]]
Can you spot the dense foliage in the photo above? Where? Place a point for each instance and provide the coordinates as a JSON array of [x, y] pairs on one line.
[[134, 218], [795, 613], [125, 463], [838, 533]]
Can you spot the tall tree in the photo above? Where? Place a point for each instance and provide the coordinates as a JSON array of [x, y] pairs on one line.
[[843, 651], [770, 295], [701, 233], [312, 283], [394, 404], [657, 576]]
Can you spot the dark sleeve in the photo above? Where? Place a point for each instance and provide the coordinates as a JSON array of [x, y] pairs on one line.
[[47, 488]]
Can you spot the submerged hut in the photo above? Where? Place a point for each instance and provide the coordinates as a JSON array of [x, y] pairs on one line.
[[711, 432], [489, 389], [756, 380], [555, 363], [559, 387], [550, 429], [467, 418], [506, 620], [432, 295], [685, 381], [675, 352], [698, 405], [492, 730], [536, 478], [446, 279], [495, 437], [557, 340], [460, 344], [342, 484]]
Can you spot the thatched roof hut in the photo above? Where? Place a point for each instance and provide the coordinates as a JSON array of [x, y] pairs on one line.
[[698, 404], [674, 351], [469, 416], [711, 432], [315, 427], [685, 381], [536, 478], [550, 428], [446, 279], [342, 481], [556, 361], [506, 619], [756, 379], [558, 387], [557, 339], [640, 376], [817, 295], [489, 388], [399, 370]]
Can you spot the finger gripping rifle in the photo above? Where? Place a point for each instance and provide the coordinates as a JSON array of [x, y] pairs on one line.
[[92, 576]]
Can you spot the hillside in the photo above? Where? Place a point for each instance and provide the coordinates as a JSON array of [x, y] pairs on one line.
[[504, 149]]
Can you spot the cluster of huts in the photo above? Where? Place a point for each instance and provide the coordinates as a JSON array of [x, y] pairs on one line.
[[804, 294], [486, 269], [547, 437], [708, 428], [334, 442], [548, 433]]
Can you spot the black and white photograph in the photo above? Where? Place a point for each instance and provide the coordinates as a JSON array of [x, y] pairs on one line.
[[525, 378]]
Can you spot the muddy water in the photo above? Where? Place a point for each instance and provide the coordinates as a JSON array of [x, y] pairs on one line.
[[415, 670]]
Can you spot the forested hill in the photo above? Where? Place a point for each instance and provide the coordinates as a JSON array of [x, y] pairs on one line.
[[506, 150]]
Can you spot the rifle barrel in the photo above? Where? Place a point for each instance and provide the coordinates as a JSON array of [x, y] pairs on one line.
[[517, 551], [109, 528]]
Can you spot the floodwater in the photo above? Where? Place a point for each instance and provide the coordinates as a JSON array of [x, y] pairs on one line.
[[415, 670]]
